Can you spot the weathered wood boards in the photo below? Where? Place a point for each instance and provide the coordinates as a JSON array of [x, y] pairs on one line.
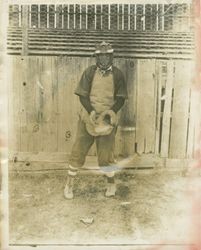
[[180, 109], [146, 107], [160, 116], [13, 105], [166, 117], [126, 134], [193, 141], [65, 104]]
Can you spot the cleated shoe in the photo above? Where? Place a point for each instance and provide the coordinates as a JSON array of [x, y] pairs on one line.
[[68, 192], [111, 190]]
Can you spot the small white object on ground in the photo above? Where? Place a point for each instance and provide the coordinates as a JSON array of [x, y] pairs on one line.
[[125, 203], [87, 220], [27, 195]]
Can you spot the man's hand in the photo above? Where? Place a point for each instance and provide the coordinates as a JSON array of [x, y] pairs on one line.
[[112, 116], [93, 117]]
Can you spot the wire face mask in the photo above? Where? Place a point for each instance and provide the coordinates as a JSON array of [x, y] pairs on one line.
[[104, 61], [104, 55]]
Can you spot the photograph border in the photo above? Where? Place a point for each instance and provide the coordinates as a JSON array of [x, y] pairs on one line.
[[4, 198]]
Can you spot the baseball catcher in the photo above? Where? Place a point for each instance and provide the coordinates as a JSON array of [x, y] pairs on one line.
[[102, 92]]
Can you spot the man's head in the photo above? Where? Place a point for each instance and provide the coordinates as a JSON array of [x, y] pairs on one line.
[[104, 55]]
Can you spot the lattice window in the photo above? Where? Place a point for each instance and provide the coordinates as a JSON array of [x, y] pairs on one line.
[[15, 16], [139, 19], [77, 16], [34, 16], [83, 17], [105, 18], [65, 16], [125, 17], [148, 14], [43, 16], [71, 16], [59, 14], [151, 17], [52, 16], [154, 17], [160, 17], [98, 17], [168, 17], [114, 18], [132, 16]]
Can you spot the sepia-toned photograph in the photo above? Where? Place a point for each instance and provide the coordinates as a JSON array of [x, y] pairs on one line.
[[100, 128]]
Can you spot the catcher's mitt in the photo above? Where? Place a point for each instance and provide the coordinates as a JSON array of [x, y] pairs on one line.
[[103, 125]]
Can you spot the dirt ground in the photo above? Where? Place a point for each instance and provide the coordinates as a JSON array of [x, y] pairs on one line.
[[149, 208]]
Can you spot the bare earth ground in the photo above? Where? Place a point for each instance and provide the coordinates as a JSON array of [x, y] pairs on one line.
[[148, 208]]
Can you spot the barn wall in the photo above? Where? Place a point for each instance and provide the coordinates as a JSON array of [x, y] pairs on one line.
[[159, 117]]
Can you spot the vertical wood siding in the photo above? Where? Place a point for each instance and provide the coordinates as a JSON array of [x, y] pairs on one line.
[[159, 117], [146, 106], [180, 109]]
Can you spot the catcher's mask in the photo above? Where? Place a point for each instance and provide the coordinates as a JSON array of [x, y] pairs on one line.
[[104, 124], [104, 55]]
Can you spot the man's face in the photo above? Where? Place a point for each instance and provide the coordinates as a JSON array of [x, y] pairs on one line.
[[104, 61]]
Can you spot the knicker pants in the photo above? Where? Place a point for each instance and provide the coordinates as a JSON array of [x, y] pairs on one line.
[[84, 141]]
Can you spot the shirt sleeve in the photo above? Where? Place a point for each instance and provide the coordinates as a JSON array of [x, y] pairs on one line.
[[121, 90], [86, 103], [83, 87], [118, 104]]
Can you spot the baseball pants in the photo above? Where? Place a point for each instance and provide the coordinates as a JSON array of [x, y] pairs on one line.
[[84, 141]]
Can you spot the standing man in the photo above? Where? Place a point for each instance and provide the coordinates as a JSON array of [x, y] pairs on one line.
[[102, 92]]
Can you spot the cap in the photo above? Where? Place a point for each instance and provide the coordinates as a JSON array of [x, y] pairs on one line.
[[104, 48]]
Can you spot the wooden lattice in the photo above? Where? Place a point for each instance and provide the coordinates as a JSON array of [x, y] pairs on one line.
[[152, 17]]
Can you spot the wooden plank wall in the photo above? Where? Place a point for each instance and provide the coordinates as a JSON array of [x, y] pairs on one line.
[[146, 106], [159, 117], [180, 110]]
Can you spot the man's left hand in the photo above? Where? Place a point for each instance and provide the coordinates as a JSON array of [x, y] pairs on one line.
[[113, 116]]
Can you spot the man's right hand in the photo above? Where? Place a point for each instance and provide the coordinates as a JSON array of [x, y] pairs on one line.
[[93, 117]]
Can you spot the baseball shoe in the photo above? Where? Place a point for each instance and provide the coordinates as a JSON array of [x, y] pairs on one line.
[[68, 190], [111, 190]]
